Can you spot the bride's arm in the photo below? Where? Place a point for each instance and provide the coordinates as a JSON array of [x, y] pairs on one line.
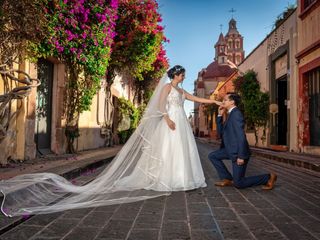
[[200, 100]]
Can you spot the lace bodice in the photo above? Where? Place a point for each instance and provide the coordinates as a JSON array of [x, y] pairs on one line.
[[175, 98]]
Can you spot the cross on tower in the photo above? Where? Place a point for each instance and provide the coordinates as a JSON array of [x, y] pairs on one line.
[[220, 27], [232, 11]]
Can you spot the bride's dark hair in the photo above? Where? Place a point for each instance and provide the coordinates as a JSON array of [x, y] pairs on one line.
[[176, 70]]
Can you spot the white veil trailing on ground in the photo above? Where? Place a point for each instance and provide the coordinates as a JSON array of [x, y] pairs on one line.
[[129, 177]]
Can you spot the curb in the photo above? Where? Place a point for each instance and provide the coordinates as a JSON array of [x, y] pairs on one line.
[[295, 162], [298, 161]]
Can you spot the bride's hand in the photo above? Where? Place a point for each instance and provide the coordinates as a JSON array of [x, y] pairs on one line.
[[217, 102], [171, 124]]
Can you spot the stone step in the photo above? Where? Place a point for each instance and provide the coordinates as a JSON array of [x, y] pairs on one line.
[[308, 162]]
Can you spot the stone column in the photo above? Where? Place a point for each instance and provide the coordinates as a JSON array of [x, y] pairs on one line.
[[58, 140], [30, 146], [21, 120]]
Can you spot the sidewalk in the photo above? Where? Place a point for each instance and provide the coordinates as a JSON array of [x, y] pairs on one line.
[[305, 162], [67, 165]]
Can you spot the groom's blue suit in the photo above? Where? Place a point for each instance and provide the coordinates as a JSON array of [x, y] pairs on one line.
[[234, 145]]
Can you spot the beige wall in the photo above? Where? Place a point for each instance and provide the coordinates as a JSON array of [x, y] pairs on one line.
[[90, 122], [258, 61]]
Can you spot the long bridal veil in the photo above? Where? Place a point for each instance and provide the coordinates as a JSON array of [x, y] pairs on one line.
[[129, 177]]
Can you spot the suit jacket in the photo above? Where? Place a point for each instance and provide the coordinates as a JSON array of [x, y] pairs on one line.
[[233, 135]]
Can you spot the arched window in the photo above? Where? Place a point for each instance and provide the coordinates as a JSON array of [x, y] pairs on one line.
[[237, 44]]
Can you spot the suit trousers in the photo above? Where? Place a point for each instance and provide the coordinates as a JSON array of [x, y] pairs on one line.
[[239, 171]]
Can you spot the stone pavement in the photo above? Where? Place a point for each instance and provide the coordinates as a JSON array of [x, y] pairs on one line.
[[290, 211]]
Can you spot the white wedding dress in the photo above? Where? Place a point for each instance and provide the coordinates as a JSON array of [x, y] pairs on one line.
[[180, 167], [154, 162]]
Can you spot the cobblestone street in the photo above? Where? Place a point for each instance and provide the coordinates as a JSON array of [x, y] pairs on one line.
[[290, 211]]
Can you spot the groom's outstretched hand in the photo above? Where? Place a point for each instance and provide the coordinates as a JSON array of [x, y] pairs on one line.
[[240, 161]]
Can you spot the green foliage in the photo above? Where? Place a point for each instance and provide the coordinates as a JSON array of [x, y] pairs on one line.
[[255, 103], [148, 95], [80, 34], [125, 135], [141, 110], [283, 16], [21, 22], [126, 108], [137, 47]]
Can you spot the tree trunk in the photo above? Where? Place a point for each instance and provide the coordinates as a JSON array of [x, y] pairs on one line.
[[72, 127], [256, 136]]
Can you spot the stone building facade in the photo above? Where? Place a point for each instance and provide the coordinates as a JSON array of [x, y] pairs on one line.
[[308, 77], [273, 61], [39, 127]]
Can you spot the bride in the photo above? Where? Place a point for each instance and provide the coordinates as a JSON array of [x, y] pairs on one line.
[[161, 156]]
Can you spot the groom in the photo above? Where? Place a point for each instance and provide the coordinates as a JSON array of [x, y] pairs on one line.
[[235, 147]]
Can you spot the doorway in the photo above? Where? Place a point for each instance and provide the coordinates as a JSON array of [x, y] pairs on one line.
[[282, 119], [44, 107]]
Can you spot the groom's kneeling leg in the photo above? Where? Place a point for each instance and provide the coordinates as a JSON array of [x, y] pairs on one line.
[[239, 171], [216, 158], [240, 181]]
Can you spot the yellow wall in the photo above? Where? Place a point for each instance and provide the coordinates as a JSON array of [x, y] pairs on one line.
[[308, 29], [310, 57], [18, 143]]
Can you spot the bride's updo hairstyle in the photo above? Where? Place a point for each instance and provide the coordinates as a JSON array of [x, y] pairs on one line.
[[176, 70]]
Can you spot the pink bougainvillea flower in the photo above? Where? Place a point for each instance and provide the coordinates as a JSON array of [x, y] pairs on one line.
[[84, 35]]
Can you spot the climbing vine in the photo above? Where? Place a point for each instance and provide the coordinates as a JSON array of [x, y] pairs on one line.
[[80, 34]]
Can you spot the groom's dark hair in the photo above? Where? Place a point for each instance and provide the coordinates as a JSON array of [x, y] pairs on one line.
[[234, 97]]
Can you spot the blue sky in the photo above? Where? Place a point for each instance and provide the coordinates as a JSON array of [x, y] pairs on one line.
[[193, 28]]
